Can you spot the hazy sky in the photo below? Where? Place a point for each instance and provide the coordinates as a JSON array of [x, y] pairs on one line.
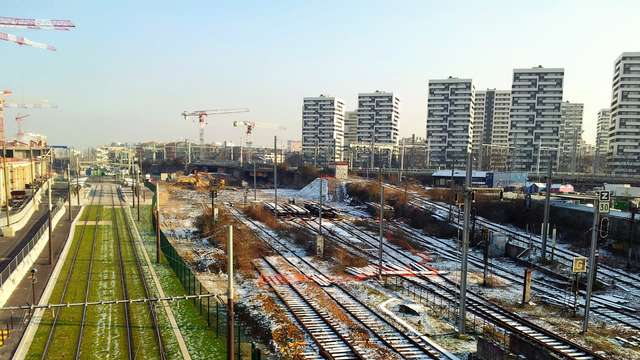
[[130, 67]]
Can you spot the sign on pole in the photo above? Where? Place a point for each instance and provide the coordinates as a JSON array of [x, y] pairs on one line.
[[579, 264], [604, 203]]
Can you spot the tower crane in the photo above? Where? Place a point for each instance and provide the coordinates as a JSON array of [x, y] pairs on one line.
[[19, 120], [32, 24], [44, 104], [248, 130], [203, 114]]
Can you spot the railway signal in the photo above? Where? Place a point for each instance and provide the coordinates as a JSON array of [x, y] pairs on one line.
[[600, 206], [604, 202], [604, 227], [579, 264]]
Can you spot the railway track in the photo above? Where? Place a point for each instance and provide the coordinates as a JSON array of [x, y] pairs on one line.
[[625, 316], [412, 346], [123, 280], [319, 324], [147, 293], [87, 288], [448, 291], [449, 251], [605, 273], [52, 329], [135, 331]]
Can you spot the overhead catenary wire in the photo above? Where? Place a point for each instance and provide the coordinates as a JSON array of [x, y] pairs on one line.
[[113, 302]]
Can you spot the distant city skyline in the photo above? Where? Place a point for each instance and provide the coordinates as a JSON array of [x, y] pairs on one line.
[[130, 69]]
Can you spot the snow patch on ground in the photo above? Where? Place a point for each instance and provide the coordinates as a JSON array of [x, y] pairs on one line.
[[312, 190]]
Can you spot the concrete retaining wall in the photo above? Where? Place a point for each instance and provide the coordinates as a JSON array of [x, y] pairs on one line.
[[9, 284], [30, 332], [21, 218]]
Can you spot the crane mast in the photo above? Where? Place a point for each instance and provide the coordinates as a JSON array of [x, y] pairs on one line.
[[248, 130]]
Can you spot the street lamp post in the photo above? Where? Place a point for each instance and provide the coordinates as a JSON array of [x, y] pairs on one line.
[[34, 280]]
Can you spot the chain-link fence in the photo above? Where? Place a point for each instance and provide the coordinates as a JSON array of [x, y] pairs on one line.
[[213, 310]]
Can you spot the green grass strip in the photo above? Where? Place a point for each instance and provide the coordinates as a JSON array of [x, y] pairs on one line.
[[201, 341]]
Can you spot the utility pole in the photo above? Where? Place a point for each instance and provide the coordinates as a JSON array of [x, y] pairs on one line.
[[275, 175], [539, 154], [255, 191], [485, 253], [33, 167], [78, 179], [451, 185], [381, 221], [49, 181], [547, 208], [230, 315], [69, 186], [372, 156], [138, 187], [158, 222], [465, 247], [320, 209], [428, 153], [480, 156], [592, 261], [633, 209], [214, 194], [574, 155], [34, 280], [401, 163], [6, 182], [133, 191], [315, 155]]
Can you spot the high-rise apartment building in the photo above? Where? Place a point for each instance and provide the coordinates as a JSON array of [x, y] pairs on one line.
[[570, 135], [624, 129], [491, 128], [322, 129], [378, 118], [350, 128], [378, 126], [500, 123], [535, 118], [602, 140], [482, 118], [450, 110]]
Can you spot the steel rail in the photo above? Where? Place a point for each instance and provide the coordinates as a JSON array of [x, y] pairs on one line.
[[428, 347], [496, 314], [52, 329], [123, 280], [143, 280]]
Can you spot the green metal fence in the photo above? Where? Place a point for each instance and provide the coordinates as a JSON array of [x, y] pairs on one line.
[[213, 311]]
